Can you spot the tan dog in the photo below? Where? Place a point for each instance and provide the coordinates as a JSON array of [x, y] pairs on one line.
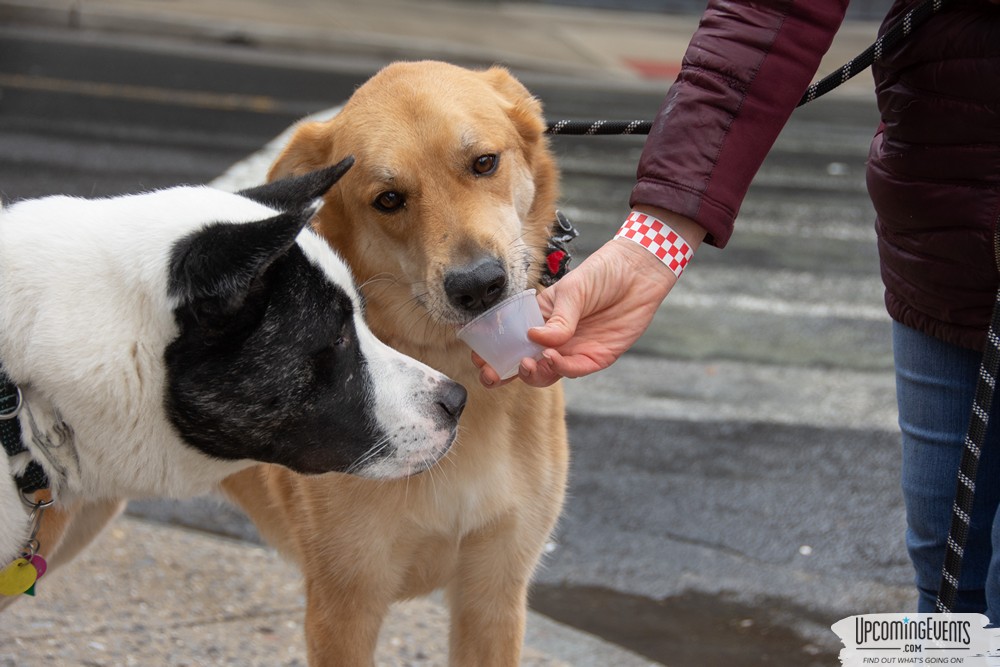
[[446, 211]]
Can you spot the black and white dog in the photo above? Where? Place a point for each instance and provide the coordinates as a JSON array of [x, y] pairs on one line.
[[163, 341]]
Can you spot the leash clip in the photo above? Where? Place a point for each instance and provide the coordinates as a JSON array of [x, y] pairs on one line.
[[35, 519]]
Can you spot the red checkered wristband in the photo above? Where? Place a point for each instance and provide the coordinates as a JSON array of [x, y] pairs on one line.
[[658, 238]]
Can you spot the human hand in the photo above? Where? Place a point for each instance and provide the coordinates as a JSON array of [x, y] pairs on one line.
[[598, 310]]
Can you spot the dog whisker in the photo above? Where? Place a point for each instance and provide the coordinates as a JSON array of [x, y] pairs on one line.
[[428, 318], [367, 457], [385, 276]]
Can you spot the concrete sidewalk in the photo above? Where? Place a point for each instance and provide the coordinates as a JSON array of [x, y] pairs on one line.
[[149, 594]]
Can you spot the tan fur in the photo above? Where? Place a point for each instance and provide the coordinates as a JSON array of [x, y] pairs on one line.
[[478, 522]]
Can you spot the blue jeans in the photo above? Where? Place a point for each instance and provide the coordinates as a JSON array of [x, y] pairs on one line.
[[935, 385]]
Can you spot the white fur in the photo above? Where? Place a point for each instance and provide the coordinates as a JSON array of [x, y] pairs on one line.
[[84, 320]]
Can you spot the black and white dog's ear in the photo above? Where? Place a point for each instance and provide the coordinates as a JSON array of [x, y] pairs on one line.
[[217, 266], [294, 192]]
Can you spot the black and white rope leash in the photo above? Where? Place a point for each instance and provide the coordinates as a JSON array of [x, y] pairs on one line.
[[966, 486], [600, 127], [898, 31]]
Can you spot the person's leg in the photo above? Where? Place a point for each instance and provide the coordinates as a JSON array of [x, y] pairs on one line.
[[993, 575], [935, 385]]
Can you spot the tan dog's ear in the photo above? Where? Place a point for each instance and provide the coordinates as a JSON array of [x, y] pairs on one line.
[[525, 109], [310, 148]]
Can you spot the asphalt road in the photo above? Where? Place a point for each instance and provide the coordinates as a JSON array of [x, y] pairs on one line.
[[734, 479]]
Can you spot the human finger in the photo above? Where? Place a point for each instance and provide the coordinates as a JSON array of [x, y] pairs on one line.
[[537, 374], [488, 376]]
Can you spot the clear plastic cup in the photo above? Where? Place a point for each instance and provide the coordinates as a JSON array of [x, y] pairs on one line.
[[500, 335]]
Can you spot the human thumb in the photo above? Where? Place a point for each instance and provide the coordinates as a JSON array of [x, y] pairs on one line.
[[560, 325]]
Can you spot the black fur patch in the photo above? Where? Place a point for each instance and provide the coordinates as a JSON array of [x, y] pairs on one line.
[[280, 378], [266, 365]]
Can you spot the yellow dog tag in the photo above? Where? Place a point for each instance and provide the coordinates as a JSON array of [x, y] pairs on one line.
[[17, 577]]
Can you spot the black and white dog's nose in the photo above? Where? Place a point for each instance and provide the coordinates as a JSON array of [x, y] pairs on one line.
[[476, 286], [452, 399]]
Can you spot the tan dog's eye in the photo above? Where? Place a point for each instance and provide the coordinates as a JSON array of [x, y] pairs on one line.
[[390, 201], [484, 165]]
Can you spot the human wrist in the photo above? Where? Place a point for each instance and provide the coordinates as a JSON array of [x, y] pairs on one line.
[[669, 237], [692, 232], [637, 261]]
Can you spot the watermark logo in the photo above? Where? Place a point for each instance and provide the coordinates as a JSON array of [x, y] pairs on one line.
[[918, 639]]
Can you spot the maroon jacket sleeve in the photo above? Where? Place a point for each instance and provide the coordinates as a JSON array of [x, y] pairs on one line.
[[744, 71]]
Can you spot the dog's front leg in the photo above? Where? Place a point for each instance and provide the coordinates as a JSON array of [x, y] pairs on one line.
[[489, 594], [343, 622], [83, 524]]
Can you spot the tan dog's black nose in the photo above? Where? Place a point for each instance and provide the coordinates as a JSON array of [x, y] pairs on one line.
[[476, 286]]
